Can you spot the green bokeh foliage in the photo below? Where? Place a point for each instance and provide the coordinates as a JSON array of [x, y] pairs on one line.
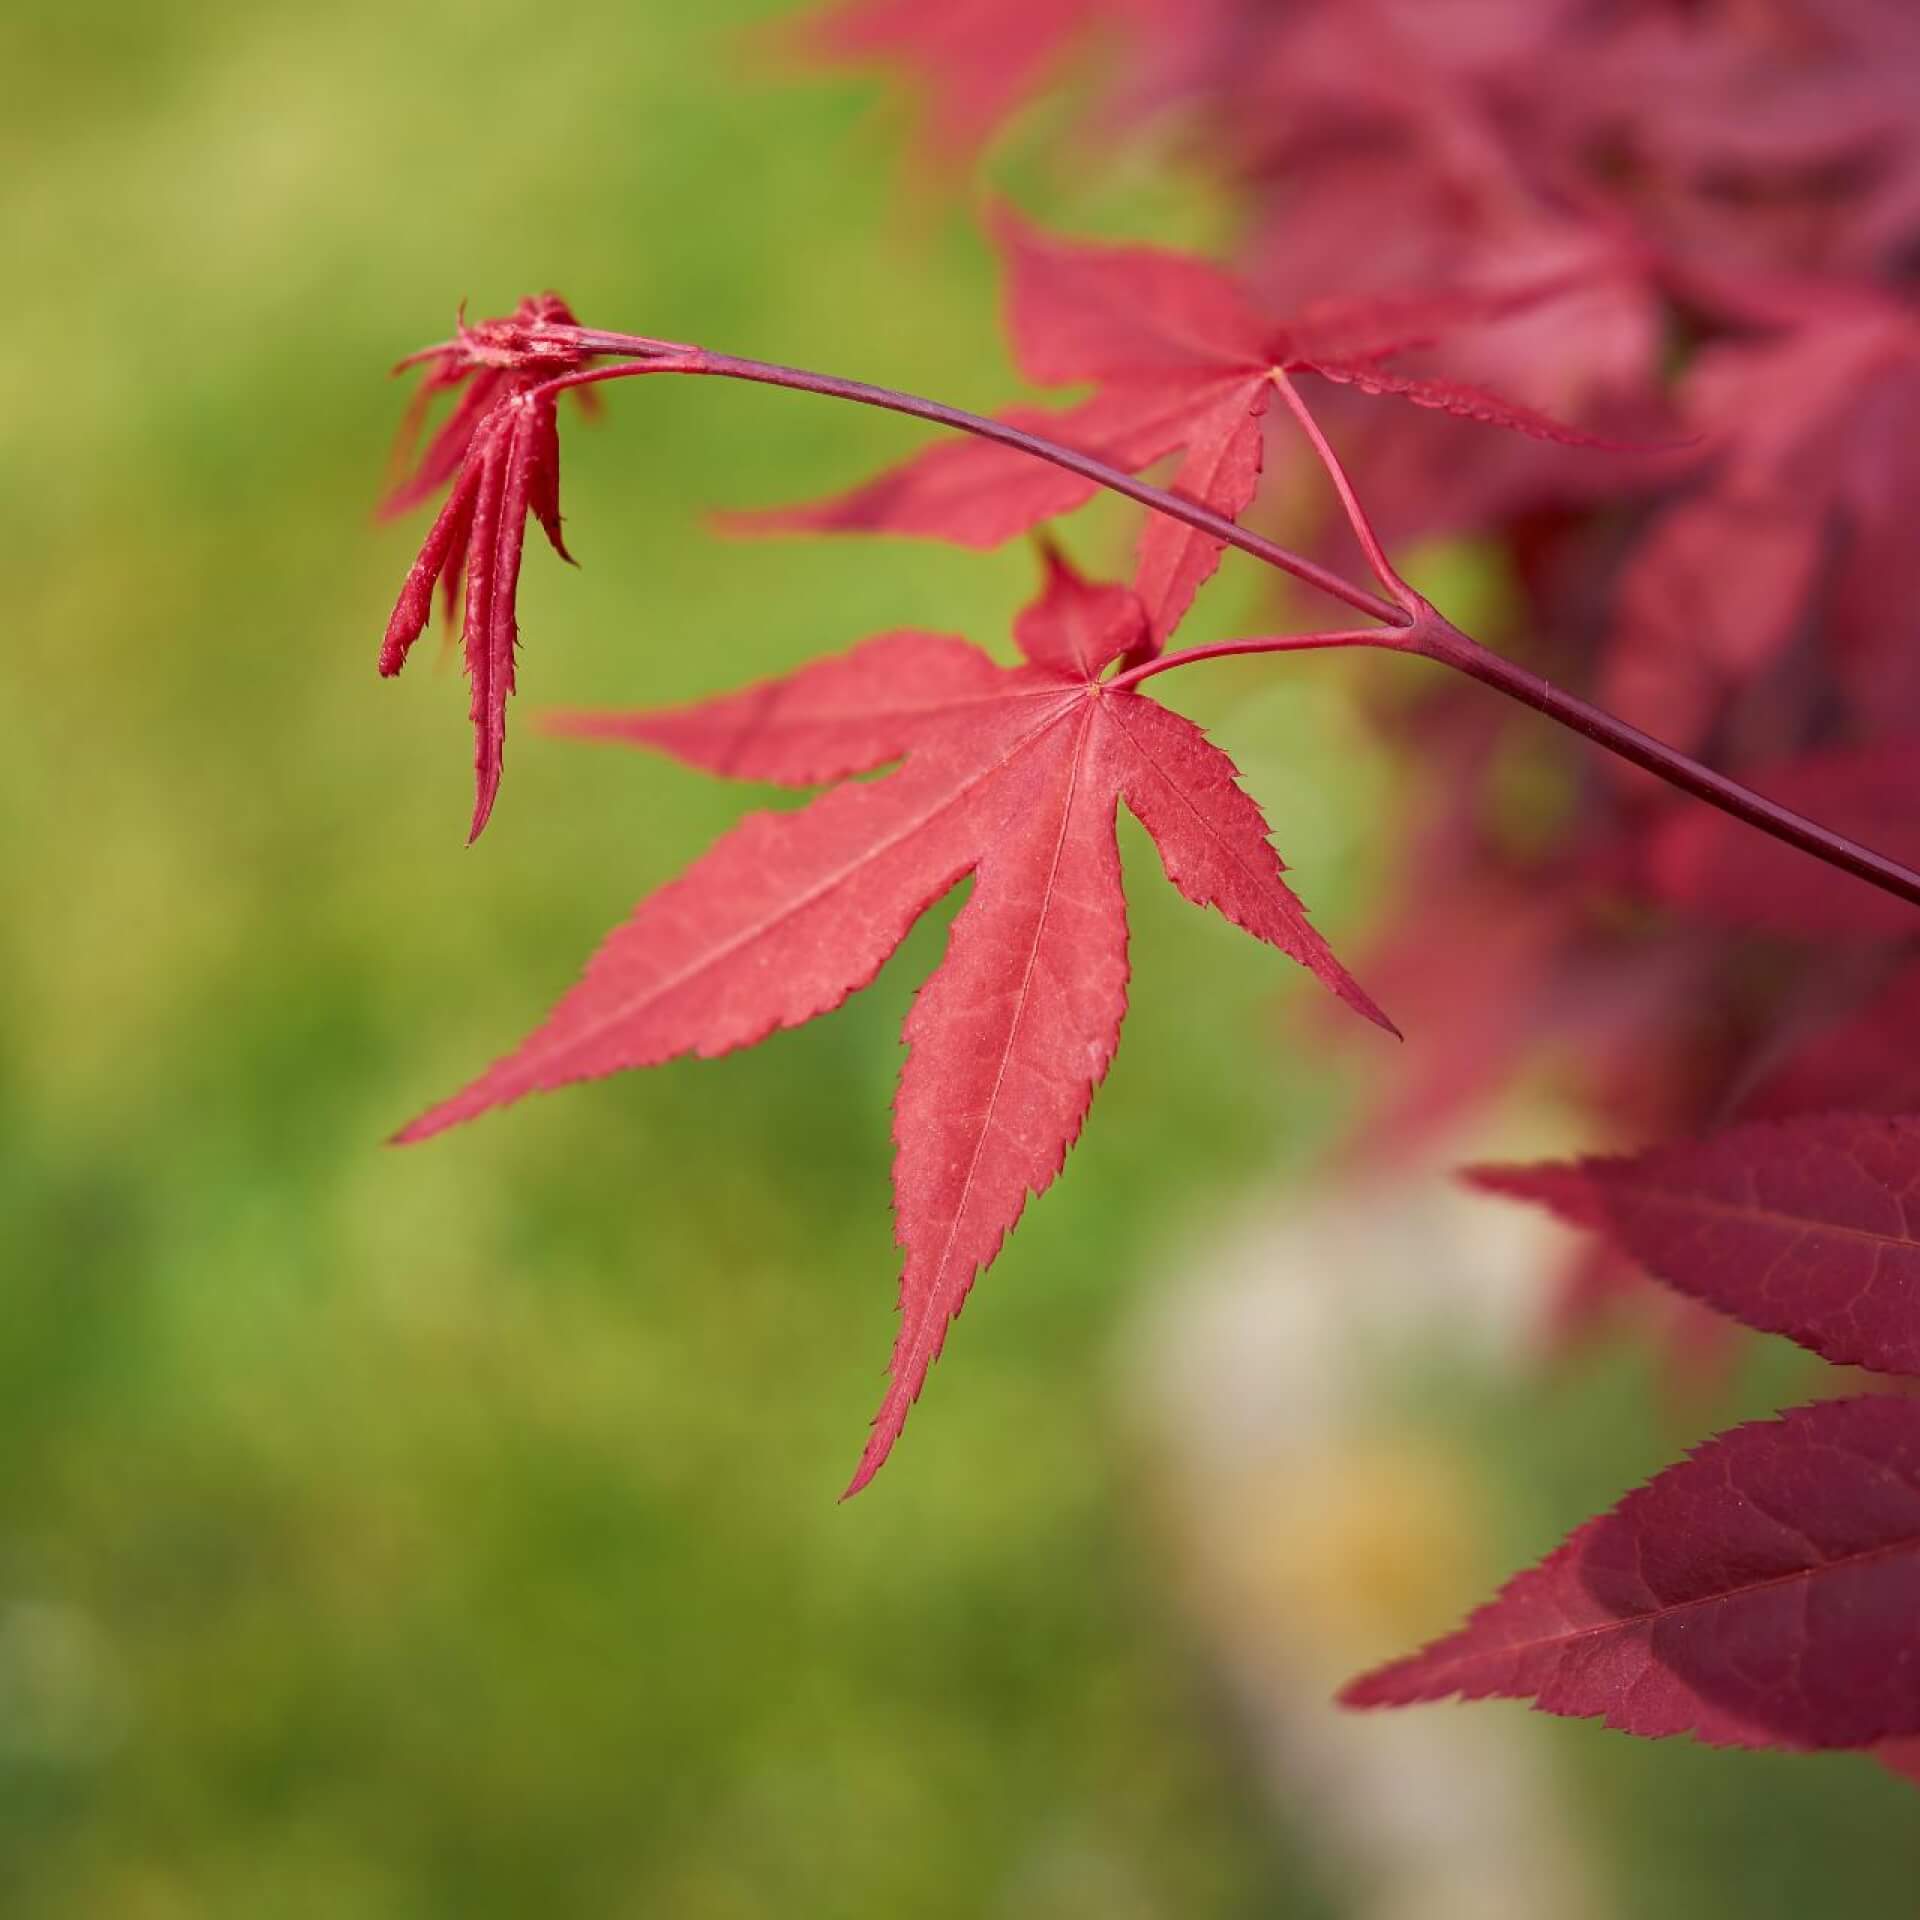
[[452, 1532]]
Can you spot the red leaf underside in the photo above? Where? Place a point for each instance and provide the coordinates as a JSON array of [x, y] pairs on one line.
[[1760, 1593], [1012, 775]]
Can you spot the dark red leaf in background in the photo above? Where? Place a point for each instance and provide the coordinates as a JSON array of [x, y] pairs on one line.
[[1711, 865], [1760, 1593], [1807, 472], [1808, 1227], [1868, 1061], [1710, 600]]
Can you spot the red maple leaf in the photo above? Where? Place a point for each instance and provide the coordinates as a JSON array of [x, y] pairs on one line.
[[500, 448], [1011, 775], [1807, 1227], [1183, 358], [1760, 1593]]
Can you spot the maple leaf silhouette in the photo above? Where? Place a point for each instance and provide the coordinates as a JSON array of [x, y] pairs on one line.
[[1010, 774], [1760, 1593], [500, 449], [1183, 358]]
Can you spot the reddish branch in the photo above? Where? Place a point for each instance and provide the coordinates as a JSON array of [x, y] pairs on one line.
[[1408, 623]]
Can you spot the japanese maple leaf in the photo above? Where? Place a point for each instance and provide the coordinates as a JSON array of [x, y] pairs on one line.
[[1010, 774], [1761, 1593], [1183, 359], [500, 449], [1808, 1227]]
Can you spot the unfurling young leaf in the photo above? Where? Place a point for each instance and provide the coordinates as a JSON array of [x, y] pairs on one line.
[[1760, 1593], [500, 447], [1010, 774]]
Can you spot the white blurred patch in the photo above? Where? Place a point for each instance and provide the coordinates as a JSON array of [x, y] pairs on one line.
[[1319, 1528]]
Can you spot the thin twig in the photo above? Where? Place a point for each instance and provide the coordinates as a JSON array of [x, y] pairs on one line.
[[982, 426], [1412, 626], [1383, 569]]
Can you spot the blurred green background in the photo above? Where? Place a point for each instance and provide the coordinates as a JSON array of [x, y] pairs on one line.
[[454, 1532]]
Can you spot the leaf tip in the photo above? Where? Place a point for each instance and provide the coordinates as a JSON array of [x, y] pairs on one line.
[[757, 523], [871, 1461], [483, 800], [1366, 1691], [1349, 990], [416, 1130]]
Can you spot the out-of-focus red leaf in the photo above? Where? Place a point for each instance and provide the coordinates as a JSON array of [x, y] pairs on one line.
[[1760, 1593], [975, 61], [1493, 965], [1808, 445], [1876, 655], [1868, 1061], [1808, 1227], [1712, 865], [1711, 597], [1182, 358], [1602, 1287], [1768, 143]]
